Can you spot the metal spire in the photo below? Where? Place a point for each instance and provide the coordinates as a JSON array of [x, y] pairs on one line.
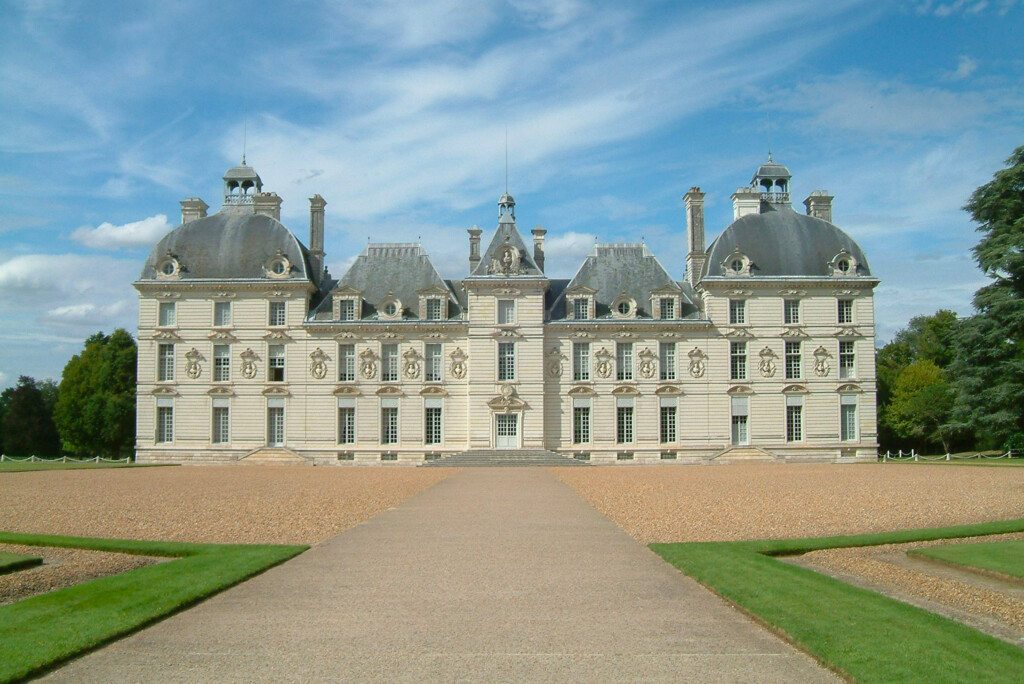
[[506, 159]]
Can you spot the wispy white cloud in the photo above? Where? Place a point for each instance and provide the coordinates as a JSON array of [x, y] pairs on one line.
[[143, 233], [965, 68]]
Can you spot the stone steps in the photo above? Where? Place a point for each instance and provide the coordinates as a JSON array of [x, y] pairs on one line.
[[490, 458]]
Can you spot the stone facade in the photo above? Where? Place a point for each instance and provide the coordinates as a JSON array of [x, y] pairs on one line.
[[249, 351]]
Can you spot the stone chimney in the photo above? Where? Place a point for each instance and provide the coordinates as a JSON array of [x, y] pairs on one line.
[[474, 247], [268, 203], [819, 205], [538, 246], [745, 201], [193, 209], [316, 233], [695, 255]]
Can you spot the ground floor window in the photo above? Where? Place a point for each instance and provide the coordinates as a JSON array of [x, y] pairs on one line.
[[389, 421], [275, 422], [581, 423], [432, 427], [164, 421], [740, 418], [624, 423], [794, 419], [848, 418], [221, 422], [667, 421], [346, 420]]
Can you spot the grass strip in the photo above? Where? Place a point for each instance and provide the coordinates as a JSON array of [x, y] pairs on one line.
[[1004, 558], [860, 634], [17, 467], [12, 562], [42, 631]]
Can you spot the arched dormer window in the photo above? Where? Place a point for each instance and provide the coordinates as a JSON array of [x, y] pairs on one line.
[[843, 265], [736, 264]]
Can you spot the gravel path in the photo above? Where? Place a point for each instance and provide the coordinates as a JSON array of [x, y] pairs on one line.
[[229, 504], [725, 503]]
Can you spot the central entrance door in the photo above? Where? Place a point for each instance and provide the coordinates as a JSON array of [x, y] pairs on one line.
[[506, 429]]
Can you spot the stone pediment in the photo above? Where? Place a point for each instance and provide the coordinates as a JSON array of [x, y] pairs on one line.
[[164, 391], [672, 289], [625, 391], [347, 391], [166, 336], [847, 331], [433, 290], [580, 290], [277, 336], [433, 392], [508, 401], [794, 333], [794, 389], [582, 391], [739, 389], [221, 391], [507, 334], [389, 391], [346, 336], [848, 387], [346, 291], [222, 336], [739, 334], [276, 392], [668, 391]]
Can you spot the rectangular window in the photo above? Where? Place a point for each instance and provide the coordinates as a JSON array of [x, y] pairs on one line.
[[794, 370], [167, 313], [581, 361], [740, 416], [581, 424], [738, 360], [506, 361], [275, 422], [346, 310], [794, 419], [432, 372], [165, 363], [581, 308], [433, 309], [506, 311], [791, 311], [346, 362], [221, 314], [389, 424], [667, 308], [164, 421], [848, 417], [737, 311], [432, 429], [389, 362], [666, 360], [844, 313], [221, 363], [847, 362], [623, 360], [276, 314], [221, 422], [624, 424], [275, 363], [346, 420], [667, 428]]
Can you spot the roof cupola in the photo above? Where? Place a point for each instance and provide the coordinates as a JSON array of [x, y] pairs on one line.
[[506, 209], [773, 181], [241, 184]]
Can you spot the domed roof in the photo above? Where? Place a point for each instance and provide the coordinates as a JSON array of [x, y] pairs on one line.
[[241, 172], [235, 243], [782, 242], [771, 170]]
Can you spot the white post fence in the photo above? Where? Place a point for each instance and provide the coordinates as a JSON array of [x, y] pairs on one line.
[[913, 456]]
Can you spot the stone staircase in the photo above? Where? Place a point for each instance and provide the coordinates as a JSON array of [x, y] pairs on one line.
[[504, 458], [745, 454], [273, 456]]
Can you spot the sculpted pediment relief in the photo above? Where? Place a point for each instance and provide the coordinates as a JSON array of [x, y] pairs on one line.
[[347, 391], [739, 333], [626, 391], [389, 391], [847, 331], [794, 333], [433, 392], [277, 336], [220, 391], [507, 334], [164, 391], [166, 335], [849, 387], [582, 392], [276, 392], [739, 389], [221, 336], [508, 401], [668, 391], [794, 389]]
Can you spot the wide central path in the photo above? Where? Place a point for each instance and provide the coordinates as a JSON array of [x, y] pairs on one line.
[[494, 574]]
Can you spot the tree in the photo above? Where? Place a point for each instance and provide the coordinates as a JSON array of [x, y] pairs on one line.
[[96, 404], [921, 404], [28, 423], [989, 368]]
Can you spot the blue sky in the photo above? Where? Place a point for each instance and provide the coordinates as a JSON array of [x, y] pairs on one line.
[[396, 112]]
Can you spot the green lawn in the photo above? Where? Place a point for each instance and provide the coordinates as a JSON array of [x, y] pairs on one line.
[[860, 634], [42, 631], [12, 562], [18, 467], [1005, 558]]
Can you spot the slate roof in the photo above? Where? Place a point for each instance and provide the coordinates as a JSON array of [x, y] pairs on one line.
[[400, 269], [233, 244], [612, 269], [782, 242]]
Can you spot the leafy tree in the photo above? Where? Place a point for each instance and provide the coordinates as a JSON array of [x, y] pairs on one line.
[[922, 400], [28, 423], [989, 367], [96, 404]]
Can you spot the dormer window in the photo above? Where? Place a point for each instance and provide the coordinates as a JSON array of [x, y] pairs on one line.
[[391, 308], [736, 264], [168, 267], [434, 309], [346, 304], [666, 308], [843, 265], [278, 266], [581, 308], [624, 306]]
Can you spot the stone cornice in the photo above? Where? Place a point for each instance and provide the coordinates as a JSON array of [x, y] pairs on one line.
[[786, 284], [222, 288]]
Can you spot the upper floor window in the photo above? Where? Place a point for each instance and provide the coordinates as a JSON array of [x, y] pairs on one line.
[[847, 365], [666, 360], [221, 314], [506, 361], [433, 309], [791, 311], [793, 365], [738, 360], [581, 361], [844, 312], [737, 311], [433, 363], [221, 363], [624, 361], [165, 362], [167, 314], [389, 362], [346, 362], [667, 308], [275, 363], [276, 314], [506, 311], [346, 310], [581, 308]]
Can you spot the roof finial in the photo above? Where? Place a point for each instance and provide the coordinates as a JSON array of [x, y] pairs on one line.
[[245, 131], [768, 115], [506, 159]]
